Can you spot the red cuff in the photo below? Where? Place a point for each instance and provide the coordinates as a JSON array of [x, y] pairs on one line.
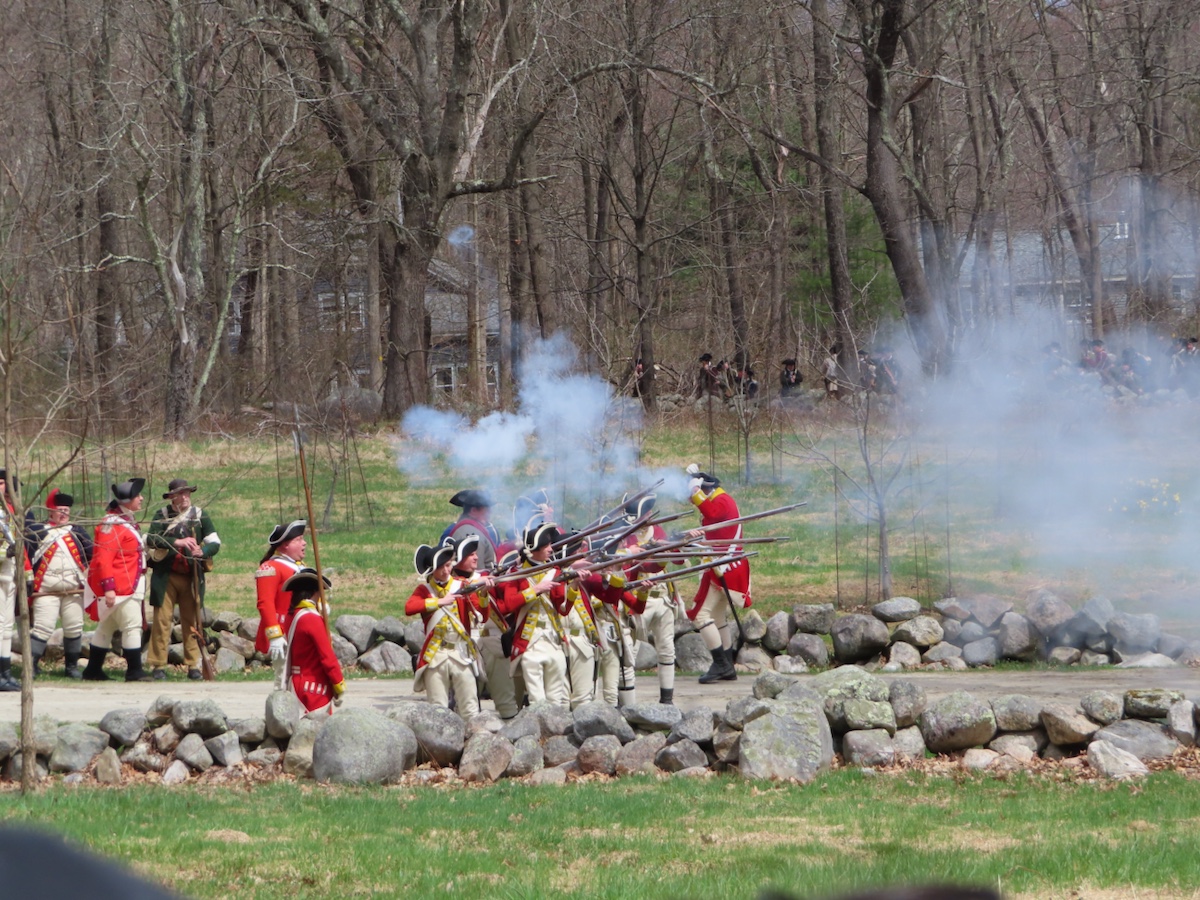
[[108, 584]]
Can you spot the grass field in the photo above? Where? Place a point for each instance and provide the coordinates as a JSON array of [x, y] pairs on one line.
[[1030, 837]]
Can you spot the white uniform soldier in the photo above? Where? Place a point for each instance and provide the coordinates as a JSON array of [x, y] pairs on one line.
[[448, 660], [658, 621], [583, 647], [59, 552]]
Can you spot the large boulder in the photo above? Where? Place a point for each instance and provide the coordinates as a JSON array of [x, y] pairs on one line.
[[680, 755], [441, 733], [526, 759], [780, 628], [1114, 762], [124, 726], [1066, 726], [1047, 613], [485, 758], [920, 631], [359, 746], [1093, 617], [869, 715], [908, 702], [871, 747], [1016, 636], [389, 628], [956, 722], [202, 717], [810, 648], [652, 716], [282, 714], [637, 757], [1102, 706], [754, 658], [690, 653], [298, 760], [599, 754], [1016, 712], [1134, 633], [385, 658], [754, 629], [344, 650], [858, 637], [1145, 740], [837, 686], [225, 748], [1150, 703], [985, 608], [192, 751], [358, 630], [941, 652], [76, 745], [983, 652], [696, 726], [814, 618], [598, 717], [898, 609], [791, 742]]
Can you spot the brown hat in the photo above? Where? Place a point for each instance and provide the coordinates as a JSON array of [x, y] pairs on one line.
[[178, 486]]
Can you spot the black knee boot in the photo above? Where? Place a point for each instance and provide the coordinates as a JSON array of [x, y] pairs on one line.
[[37, 648], [7, 682], [95, 666], [71, 648], [133, 662], [720, 669], [666, 696]]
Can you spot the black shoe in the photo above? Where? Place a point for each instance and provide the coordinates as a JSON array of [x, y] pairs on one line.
[[71, 648], [37, 649], [721, 668], [666, 696], [8, 684], [158, 675], [194, 675], [73, 671], [134, 670], [95, 666]]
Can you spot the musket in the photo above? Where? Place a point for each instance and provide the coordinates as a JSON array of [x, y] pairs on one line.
[[750, 518], [624, 559], [322, 603], [620, 507], [541, 567], [671, 576], [725, 542], [578, 536], [642, 522]]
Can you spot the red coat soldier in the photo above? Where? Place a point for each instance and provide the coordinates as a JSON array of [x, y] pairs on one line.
[[314, 673], [286, 546], [723, 586]]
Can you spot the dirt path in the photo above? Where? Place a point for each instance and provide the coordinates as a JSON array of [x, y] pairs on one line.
[[76, 702]]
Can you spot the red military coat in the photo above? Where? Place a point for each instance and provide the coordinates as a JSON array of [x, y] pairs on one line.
[[610, 590], [272, 600], [118, 558], [515, 603], [720, 507], [313, 668], [418, 605]]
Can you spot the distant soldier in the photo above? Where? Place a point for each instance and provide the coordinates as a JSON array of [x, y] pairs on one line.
[[181, 544], [59, 552], [285, 550], [448, 660], [116, 578], [535, 603], [710, 381], [789, 379], [314, 673], [829, 373], [722, 587], [476, 519]]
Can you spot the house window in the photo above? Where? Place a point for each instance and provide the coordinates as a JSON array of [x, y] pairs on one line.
[[443, 379]]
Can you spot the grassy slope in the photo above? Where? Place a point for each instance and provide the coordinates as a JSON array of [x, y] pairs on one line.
[[642, 838]]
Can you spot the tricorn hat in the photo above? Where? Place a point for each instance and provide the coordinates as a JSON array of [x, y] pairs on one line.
[[57, 498], [178, 486], [127, 490], [470, 498], [281, 534], [546, 533], [791, 360], [708, 482], [635, 509], [305, 582], [705, 357], [464, 547], [427, 559], [508, 561]]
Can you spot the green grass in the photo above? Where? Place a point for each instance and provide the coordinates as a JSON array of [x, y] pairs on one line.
[[638, 838]]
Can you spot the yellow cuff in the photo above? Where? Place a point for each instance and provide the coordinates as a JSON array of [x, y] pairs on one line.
[[339, 689], [483, 599], [528, 594], [272, 632], [617, 581], [431, 603]]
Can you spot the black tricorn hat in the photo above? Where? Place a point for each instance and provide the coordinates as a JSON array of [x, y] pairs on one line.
[[635, 509], [427, 558], [790, 361], [281, 534], [708, 482], [470, 498], [705, 357], [57, 498], [465, 547], [507, 561], [178, 486], [546, 533], [127, 490], [305, 581]]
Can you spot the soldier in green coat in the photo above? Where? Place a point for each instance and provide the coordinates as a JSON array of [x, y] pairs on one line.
[[180, 546]]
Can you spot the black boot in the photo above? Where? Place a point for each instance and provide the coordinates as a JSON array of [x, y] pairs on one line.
[[720, 669], [666, 696], [95, 666], [72, 648], [37, 648], [133, 663], [7, 682], [731, 673]]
